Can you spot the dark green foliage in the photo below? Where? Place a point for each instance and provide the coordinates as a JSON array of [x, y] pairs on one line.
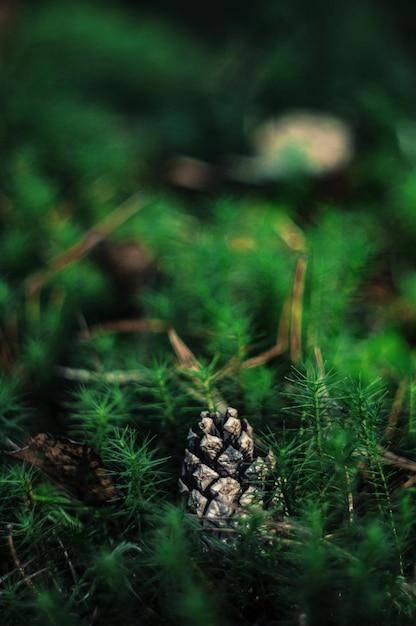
[[293, 302]]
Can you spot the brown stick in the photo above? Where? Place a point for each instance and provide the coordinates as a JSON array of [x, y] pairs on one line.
[[399, 461], [91, 239], [187, 359], [126, 326], [297, 310], [281, 340], [17, 562]]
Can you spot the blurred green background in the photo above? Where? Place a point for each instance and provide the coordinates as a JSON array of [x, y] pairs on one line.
[[108, 87], [237, 180], [101, 100]]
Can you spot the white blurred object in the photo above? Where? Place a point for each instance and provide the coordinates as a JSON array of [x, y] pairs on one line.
[[299, 142]]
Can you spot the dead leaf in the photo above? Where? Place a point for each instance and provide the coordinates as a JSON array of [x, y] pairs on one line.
[[71, 465]]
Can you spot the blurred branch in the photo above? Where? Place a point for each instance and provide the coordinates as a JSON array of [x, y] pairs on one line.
[[90, 240]]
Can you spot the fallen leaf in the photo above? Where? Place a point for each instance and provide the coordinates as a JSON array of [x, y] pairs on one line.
[[71, 465]]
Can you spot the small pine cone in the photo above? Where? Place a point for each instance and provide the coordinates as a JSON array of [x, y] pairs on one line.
[[223, 471]]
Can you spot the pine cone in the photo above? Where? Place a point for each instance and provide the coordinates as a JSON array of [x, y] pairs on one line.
[[224, 471]]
